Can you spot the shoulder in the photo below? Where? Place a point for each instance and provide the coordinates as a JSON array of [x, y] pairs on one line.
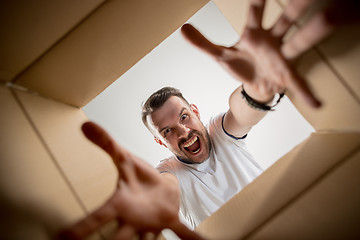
[[216, 129], [167, 165], [214, 125]]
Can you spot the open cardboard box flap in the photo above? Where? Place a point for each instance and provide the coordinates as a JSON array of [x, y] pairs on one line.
[[62, 54], [305, 192], [98, 50], [280, 186]]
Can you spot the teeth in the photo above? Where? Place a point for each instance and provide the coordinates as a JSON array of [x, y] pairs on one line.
[[191, 142], [196, 151]]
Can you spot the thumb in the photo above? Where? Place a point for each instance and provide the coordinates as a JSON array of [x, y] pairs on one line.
[[197, 39], [183, 232]]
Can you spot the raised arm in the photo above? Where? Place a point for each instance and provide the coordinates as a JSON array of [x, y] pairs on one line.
[[261, 60], [143, 202], [257, 62]]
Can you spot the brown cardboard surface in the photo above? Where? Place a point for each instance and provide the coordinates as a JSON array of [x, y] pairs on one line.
[[58, 170], [105, 46], [340, 109], [235, 12], [280, 185], [89, 169], [342, 51], [328, 210], [35, 198], [28, 29]]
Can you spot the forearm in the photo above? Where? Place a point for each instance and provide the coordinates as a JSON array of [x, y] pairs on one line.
[[173, 182], [175, 224]]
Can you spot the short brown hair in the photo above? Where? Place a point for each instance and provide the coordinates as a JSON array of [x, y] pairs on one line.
[[156, 100]]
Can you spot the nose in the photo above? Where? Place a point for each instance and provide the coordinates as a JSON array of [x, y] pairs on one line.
[[183, 131]]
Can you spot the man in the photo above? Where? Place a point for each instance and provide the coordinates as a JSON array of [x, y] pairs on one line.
[[210, 165], [146, 201]]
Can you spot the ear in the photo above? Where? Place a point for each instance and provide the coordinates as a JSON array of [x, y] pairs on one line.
[[159, 141], [194, 108]]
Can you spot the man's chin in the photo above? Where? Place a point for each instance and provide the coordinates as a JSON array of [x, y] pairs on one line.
[[190, 161], [194, 160]]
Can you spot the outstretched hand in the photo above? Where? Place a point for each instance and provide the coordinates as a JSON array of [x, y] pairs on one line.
[[143, 202], [330, 15], [256, 60]]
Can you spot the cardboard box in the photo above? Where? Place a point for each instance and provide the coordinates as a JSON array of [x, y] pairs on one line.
[[56, 63]]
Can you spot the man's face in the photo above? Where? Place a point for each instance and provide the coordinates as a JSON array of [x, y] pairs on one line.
[[182, 131]]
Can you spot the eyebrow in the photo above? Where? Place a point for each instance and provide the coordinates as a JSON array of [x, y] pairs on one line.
[[181, 112]]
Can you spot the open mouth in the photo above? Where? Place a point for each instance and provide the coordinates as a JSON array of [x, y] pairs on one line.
[[193, 145]]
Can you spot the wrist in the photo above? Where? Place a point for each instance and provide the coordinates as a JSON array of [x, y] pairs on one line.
[[257, 95], [256, 104]]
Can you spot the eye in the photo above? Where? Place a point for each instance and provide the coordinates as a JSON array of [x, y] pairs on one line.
[[166, 131], [183, 117]]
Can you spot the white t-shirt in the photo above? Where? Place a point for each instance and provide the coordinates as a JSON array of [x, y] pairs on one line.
[[205, 187]]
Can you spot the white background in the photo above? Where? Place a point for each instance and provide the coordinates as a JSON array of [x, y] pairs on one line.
[[176, 63]]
